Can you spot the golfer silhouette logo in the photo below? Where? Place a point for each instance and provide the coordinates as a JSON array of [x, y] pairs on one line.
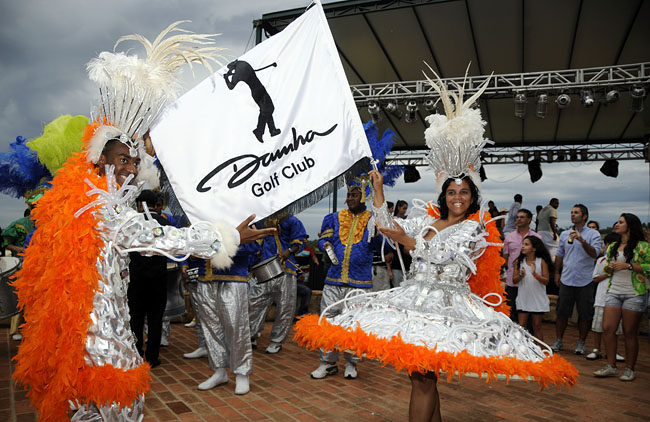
[[240, 71]]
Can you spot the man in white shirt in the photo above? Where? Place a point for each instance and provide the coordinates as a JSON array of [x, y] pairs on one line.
[[547, 226], [512, 215]]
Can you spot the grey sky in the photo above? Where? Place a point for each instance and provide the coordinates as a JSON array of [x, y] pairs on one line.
[[45, 45]]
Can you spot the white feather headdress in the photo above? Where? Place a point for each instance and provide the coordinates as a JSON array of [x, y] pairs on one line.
[[134, 91], [455, 138]]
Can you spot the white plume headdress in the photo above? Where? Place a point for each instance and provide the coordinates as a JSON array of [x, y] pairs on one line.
[[455, 138], [134, 91]]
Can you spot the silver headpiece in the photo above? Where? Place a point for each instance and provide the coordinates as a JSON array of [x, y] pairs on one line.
[[455, 138], [134, 91]]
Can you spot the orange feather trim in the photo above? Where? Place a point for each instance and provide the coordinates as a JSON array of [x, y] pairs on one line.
[[55, 289], [553, 370]]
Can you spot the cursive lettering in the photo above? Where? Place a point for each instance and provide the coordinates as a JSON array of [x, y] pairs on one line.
[[246, 165]]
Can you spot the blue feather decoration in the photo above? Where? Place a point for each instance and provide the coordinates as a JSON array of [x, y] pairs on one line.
[[20, 169], [380, 148]]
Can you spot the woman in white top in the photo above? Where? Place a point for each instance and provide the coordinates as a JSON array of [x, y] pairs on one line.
[[531, 274]]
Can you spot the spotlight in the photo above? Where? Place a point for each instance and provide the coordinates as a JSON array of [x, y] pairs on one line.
[[535, 170], [563, 101], [542, 105], [610, 168], [411, 110], [411, 174], [638, 95], [611, 96], [430, 106], [520, 105], [373, 110], [587, 98], [392, 109]]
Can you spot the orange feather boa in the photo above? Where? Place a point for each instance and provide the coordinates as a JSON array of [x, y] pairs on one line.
[[553, 370], [55, 288]]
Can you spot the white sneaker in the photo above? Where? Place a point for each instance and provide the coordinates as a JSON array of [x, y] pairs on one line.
[[201, 352], [17, 337], [350, 371], [191, 323], [324, 370], [619, 358], [273, 348], [606, 371], [627, 375], [242, 385], [219, 377], [595, 354]]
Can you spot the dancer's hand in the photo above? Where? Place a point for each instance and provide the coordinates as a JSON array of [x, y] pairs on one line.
[[378, 186], [248, 234], [398, 235]]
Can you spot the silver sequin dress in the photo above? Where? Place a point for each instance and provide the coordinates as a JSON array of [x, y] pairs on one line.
[[453, 330]]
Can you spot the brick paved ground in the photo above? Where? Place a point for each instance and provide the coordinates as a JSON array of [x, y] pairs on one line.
[[281, 390]]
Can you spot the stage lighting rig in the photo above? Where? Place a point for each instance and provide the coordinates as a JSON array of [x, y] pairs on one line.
[[430, 106], [542, 105], [563, 101], [520, 105], [411, 112], [587, 98], [611, 96], [374, 111], [393, 109], [638, 96]]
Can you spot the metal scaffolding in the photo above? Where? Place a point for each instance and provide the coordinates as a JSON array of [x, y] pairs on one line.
[[570, 81], [545, 154]]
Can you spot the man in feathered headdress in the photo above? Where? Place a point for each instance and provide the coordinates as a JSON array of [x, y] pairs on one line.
[[77, 343]]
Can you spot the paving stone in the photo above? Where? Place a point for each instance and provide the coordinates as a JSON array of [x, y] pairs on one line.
[[282, 390]]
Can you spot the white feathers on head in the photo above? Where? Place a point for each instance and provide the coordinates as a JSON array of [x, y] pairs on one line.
[[133, 91], [455, 138]]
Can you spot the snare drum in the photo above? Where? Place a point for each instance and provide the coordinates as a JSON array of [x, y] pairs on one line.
[[8, 299], [268, 270]]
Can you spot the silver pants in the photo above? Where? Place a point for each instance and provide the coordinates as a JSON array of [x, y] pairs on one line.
[[332, 294], [398, 277], [282, 291], [223, 311], [110, 413], [380, 279], [193, 289]]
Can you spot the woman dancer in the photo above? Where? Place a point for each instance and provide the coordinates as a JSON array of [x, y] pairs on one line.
[[440, 318]]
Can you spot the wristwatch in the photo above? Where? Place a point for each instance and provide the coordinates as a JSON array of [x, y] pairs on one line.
[[631, 267]]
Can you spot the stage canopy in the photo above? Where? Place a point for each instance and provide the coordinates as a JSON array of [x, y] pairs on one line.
[[535, 48]]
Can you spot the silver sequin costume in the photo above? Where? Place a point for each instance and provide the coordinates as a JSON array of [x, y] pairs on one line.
[[109, 339], [434, 307]]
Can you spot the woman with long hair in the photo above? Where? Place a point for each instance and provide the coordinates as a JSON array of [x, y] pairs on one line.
[[628, 266], [448, 315], [531, 273]]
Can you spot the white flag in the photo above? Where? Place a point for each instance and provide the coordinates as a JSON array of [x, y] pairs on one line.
[[277, 126]]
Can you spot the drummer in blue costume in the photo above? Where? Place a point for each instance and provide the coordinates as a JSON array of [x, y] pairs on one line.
[[346, 234], [221, 301], [288, 240]]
